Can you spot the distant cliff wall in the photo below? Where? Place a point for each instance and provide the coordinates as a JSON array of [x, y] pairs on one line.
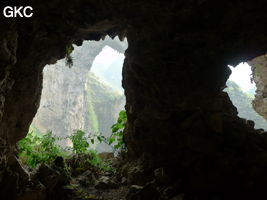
[[74, 98]]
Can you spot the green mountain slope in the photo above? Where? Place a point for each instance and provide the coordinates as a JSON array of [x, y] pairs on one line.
[[242, 101], [103, 105]]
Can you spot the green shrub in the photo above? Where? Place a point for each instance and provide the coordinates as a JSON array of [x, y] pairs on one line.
[[69, 59], [34, 149], [40, 148], [79, 141], [117, 137]]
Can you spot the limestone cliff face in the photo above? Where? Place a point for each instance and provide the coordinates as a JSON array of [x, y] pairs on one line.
[[259, 69], [73, 98], [62, 103]]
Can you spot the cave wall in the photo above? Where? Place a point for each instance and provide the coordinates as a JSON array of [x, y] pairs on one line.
[[259, 72], [173, 75], [8, 43]]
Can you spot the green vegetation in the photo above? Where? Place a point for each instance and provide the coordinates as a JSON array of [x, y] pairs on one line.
[[92, 114], [102, 101], [242, 101], [257, 68], [37, 148], [117, 132], [80, 144], [35, 130], [69, 59]]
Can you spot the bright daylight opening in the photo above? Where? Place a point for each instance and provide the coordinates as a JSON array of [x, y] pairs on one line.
[[108, 67], [82, 106], [241, 90]]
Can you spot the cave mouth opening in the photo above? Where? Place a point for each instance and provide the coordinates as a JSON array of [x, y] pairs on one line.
[[241, 89], [79, 105]]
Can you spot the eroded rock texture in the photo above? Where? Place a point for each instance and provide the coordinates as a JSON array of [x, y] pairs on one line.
[[179, 120], [259, 69]]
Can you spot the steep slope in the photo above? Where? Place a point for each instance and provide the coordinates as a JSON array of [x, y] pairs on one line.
[[242, 101], [104, 104], [111, 74]]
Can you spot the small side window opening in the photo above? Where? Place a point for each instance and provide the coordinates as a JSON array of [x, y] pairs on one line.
[[241, 89]]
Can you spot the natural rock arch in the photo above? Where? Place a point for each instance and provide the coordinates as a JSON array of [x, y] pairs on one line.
[[68, 91]]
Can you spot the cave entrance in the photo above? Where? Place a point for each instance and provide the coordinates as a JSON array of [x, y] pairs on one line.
[[241, 89], [85, 98]]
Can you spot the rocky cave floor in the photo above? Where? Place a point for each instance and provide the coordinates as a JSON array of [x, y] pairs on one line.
[[75, 179], [105, 188]]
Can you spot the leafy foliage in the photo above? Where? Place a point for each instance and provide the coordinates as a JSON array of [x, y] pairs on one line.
[[35, 149], [117, 132], [69, 59], [80, 144], [38, 148]]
